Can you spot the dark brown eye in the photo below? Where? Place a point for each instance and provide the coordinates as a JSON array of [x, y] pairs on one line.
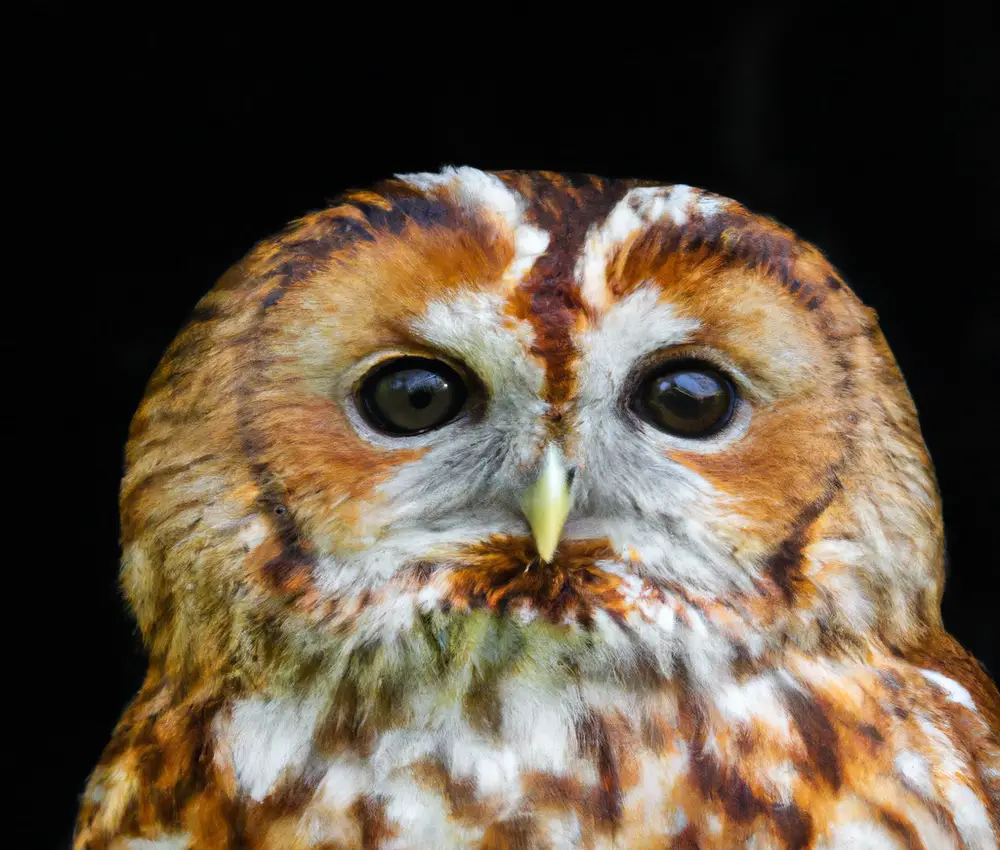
[[690, 400], [411, 395]]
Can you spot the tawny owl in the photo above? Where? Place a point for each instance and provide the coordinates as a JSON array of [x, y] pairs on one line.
[[517, 510]]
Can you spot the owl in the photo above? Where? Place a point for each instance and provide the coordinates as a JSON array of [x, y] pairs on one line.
[[529, 510]]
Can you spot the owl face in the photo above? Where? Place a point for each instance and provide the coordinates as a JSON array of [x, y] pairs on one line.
[[500, 416]]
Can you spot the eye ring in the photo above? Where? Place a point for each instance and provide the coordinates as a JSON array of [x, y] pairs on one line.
[[686, 398], [410, 395]]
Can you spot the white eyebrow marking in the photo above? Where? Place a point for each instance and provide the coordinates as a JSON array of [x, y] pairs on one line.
[[638, 210], [474, 189], [480, 192], [636, 325], [474, 327]]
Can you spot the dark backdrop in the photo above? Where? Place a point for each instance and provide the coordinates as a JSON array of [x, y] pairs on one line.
[[169, 148]]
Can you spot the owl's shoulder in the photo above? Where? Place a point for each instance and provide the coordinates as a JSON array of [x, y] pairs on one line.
[[940, 655]]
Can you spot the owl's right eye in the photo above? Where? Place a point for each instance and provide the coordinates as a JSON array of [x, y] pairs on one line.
[[411, 395]]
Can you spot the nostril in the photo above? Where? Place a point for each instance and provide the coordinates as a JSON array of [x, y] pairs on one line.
[[570, 475]]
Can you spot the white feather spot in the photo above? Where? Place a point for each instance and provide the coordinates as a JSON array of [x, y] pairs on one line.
[[915, 771], [970, 816], [860, 835], [266, 739], [954, 691], [677, 204], [344, 781], [253, 534], [752, 700], [180, 841], [540, 723], [529, 244]]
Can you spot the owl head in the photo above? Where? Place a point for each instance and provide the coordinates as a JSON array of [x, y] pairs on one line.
[[468, 420]]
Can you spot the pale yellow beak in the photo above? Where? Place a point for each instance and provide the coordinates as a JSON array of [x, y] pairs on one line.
[[546, 503]]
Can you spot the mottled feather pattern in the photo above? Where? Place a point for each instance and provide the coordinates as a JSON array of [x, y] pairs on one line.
[[353, 641]]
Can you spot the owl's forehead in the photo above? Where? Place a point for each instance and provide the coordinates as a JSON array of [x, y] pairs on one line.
[[484, 264]]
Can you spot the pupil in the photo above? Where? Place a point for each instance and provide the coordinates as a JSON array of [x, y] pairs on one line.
[[421, 398]]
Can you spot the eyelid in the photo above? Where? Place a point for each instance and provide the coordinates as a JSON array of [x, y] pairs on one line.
[[355, 376], [746, 388]]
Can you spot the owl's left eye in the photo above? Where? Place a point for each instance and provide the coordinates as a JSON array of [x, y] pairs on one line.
[[411, 395], [686, 399]]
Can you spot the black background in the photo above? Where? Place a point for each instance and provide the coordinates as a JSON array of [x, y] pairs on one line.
[[162, 150]]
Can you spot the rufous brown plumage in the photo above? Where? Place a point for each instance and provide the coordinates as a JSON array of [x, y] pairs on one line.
[[517, 510]]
